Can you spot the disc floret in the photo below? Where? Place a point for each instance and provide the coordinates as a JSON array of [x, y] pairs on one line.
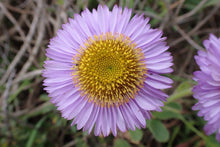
[[109, 69]]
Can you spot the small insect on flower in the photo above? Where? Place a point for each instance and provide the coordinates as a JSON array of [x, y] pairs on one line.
[[104, 70], [207, 91]]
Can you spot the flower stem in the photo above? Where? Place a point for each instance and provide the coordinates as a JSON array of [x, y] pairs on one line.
[[178, 95]]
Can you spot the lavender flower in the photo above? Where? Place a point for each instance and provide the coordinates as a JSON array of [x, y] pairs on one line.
[[104, 70], [208, 89]]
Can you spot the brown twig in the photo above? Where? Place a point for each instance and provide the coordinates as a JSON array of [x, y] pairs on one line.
[[12, 19], [4, 99], [184, 17], [36, 47], [167, 16], [180, 4], [18, 10], [188, 39], [149, 14], [25, 44], [199, 25], [186, 62], [28, 75]]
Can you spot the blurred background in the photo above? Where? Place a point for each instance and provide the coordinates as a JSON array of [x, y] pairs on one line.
[[28, 119]]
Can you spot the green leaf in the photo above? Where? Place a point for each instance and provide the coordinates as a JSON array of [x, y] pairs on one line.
[[167, 113], [60, 2], [212, 142], [174, 134], [121, 143], [110, 3], [44, 97], [211, 3], [81, 143], [183, 86], [183, 90], [34, 133], [159, 131], [136, 135], [131, 4], [174, 105]]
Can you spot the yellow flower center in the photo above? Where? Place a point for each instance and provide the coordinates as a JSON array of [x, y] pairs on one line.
[[109, 69]]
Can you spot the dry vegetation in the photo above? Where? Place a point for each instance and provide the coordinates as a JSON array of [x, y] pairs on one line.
[[27, 118]]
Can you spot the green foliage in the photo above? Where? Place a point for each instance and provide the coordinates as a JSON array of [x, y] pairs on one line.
[[136, 135], [183, 90], [60, 2], [81, 143], [45, 108], [23, 85], [127, 3], [158, 130], [111, 3], [175, 132], [167, 113], [121, 143], [211, 3], [34, 133]]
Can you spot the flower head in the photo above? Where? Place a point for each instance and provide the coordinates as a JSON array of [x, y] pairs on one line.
[[208, 89], [104, 70]]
